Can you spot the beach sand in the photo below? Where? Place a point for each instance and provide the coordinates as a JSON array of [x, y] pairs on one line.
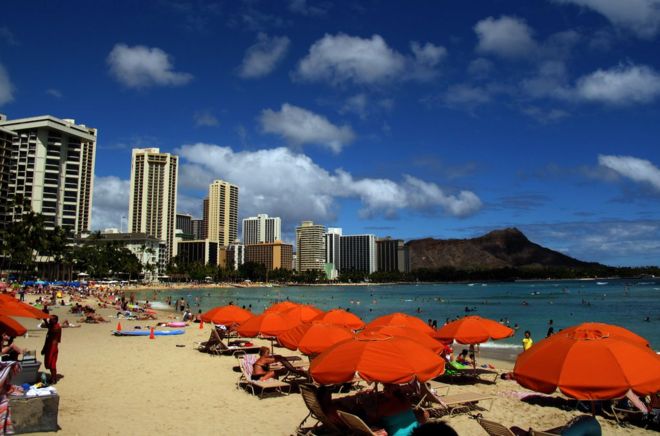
[[134, 385]]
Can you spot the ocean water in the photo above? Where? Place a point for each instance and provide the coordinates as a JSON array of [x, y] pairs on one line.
[[623, 302]]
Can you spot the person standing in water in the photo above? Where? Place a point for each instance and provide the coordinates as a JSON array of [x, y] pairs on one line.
[[551, 329], [527, 340]]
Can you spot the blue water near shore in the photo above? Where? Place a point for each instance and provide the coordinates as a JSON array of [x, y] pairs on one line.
[[623, 302]]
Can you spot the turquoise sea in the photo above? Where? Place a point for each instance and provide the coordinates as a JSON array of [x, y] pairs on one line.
[[531, 304]]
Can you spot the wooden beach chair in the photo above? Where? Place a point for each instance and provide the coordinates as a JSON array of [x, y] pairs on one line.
[[294, 373], [356, 425], [437, 405], [323, 423], [496, 429], [272, 384]]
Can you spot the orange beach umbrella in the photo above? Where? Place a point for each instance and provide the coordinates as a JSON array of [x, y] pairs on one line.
[[376, 357], [613, 331], [11, 326], [266, 324], [473, 330], [404, 332], [401, 319], [227, 315], [314, 338], [342, 318], [302, 313], [282, 306], [9, 306], [588, 364]]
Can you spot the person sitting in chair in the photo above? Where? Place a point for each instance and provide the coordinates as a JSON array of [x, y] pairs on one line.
[[260, 369], [9, 348]]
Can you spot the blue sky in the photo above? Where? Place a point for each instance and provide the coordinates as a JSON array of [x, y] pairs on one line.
[[408, 119]]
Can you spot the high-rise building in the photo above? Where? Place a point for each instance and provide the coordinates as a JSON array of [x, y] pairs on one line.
[[392, 255], [223, 212], [272, 255], [6, 140], [310, 246], [333, 247], [152, 202], [261, 228], [197, 228], [205, 219], [235, 255], [203, 251], [358, 253], [52, 167], [184, 223]]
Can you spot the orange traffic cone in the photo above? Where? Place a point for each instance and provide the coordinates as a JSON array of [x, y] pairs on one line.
[[119, 326], [201, 324], [151, 334]]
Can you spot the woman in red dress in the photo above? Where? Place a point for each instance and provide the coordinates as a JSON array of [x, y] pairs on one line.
[[51, 347]]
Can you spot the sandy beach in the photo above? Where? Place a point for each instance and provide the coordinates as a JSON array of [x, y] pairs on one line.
[[133, 385]]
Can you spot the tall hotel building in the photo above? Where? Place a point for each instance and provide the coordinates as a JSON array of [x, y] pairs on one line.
[[223, 212], [358, 253], [310, 246], [333, 247], [392, 255], [152, 202], [50, 164], [261, 229]]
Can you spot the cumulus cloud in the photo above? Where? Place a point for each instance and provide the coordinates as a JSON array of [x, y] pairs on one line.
[[508, 37], [6, 88], [205, 119], [264, 56], [639, 170], [110, 202], [299, 126], [291, 185], [141, 67], [468, 96], [641, 17], [620, 85], [342, 58]]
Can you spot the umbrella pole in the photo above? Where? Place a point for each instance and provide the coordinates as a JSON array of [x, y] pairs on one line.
[[593, 408]]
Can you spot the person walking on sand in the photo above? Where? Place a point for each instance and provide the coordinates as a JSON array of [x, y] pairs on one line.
[[51, 347]]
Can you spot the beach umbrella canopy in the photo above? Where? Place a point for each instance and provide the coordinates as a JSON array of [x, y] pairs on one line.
[[282, 306], [302, 313], [402, 331], [588, 364], [613, 331], [11, 326], [10, 306], [376, 357], [227, 315], [266, 324], [473, 330], [342, 318], [314, 338], [401, 319]]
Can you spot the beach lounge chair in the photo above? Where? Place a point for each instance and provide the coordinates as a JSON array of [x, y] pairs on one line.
[[294, 373], [216, 346], [456, 370], [245, 379], [437, 405], [496, 429], [323, 423], [357, 426]]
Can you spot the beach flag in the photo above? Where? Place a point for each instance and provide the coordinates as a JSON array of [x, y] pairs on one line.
[[151, 334]]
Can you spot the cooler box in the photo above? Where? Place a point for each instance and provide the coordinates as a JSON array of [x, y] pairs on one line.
[[29, 373]]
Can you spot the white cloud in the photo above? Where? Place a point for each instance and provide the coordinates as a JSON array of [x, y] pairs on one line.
[[6, 88], [142, 67], [641, 17], [303, 8], [639, 170], [54, 92], [110, 202], [262, 57], [463, 95], [283, 183], [342, 58], [620, 85], [506, 36], [205, 119], [299, 126], [480, 67], [357, 104]]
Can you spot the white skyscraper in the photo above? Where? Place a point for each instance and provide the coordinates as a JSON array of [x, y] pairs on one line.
[[261, 229], [223, 212], [333, 247], [152, 202], [52, 166]]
